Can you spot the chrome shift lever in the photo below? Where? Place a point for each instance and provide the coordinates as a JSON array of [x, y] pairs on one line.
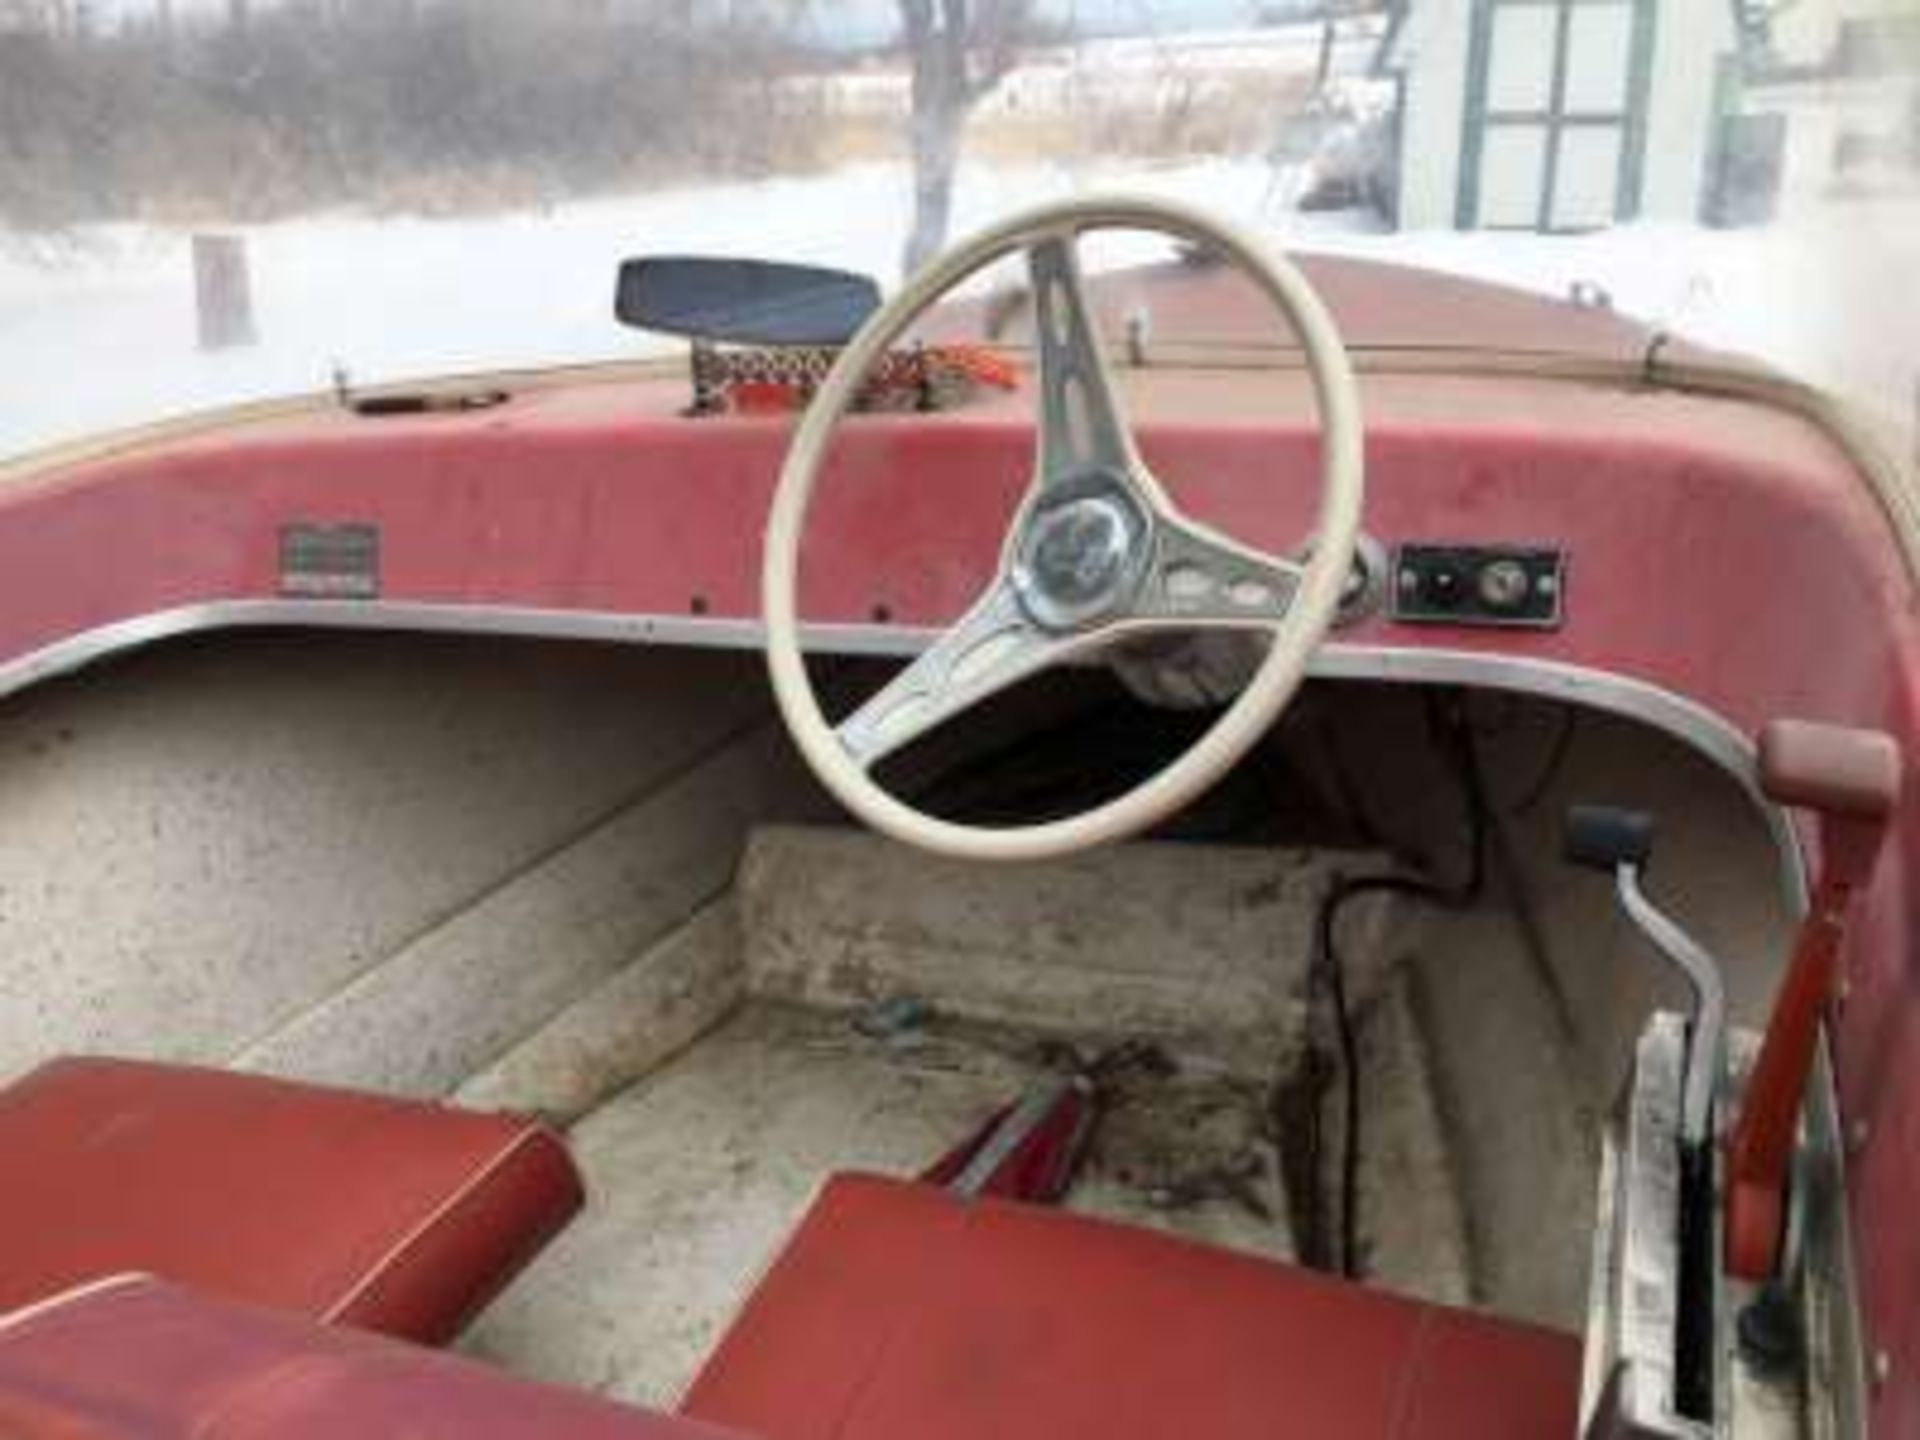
[[1621, 841]]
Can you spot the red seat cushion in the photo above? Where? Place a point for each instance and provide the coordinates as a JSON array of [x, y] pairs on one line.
[[388, 1214], [138, 1358], [898, 1310]]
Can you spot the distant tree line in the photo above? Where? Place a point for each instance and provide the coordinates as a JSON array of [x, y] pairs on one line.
[[257, 110]]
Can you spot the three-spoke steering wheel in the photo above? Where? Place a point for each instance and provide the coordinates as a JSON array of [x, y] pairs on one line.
[[1097, 551]]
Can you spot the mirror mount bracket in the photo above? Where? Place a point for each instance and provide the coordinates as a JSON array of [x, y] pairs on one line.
[[709, 387]]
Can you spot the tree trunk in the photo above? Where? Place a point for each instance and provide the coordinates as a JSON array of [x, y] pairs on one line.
[[223, 292], [937, 127], [960, 50]]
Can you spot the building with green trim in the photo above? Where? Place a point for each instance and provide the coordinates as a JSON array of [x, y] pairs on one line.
[[1558, 115]]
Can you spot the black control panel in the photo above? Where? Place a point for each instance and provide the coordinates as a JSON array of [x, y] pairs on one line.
[[1502, 585]]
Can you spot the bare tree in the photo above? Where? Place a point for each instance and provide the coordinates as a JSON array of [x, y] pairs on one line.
[[960, 50]]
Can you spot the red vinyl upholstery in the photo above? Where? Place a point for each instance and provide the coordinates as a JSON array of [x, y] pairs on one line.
[[136, 1359], [898, 1310], [381, 1213]]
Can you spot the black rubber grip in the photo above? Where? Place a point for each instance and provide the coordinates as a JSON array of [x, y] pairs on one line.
[[1607, 837]]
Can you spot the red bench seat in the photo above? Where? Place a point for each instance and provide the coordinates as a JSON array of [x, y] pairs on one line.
[[135, 1359], [387, 1214], [898, 1310]]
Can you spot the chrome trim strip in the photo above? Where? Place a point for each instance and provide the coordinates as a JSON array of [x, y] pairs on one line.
[[1687, 720]]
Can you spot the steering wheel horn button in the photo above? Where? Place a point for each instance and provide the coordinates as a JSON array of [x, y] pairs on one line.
[[1081, 555]]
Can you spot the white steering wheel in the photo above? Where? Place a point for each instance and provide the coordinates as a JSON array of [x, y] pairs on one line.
[[1097, 551]]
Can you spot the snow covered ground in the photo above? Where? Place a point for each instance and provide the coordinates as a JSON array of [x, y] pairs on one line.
[[105, 337]]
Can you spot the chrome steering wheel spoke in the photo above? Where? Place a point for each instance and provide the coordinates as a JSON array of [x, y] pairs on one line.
[[1068, 563], [1096, 549], [1199, 577], [1082, 427], [991, 648]]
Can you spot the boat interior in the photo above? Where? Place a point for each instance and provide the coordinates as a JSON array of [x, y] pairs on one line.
[[486, 963]]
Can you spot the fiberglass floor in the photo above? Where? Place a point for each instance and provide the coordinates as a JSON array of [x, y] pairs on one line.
[[697, 1174]]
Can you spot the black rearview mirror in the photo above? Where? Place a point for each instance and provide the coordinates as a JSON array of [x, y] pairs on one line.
[[744, 302]]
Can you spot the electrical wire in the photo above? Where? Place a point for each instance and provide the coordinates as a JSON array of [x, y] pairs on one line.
[[1448, 725]]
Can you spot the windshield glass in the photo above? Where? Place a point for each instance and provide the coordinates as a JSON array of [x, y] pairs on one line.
[[212, 201]]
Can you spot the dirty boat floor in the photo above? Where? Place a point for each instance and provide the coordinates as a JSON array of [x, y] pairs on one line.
[[716, 1079], [699, 1172]]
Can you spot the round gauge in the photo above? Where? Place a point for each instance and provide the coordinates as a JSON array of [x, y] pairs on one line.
[[1504, 585]]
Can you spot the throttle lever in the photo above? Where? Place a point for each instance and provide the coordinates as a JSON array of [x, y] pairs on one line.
[[1620, 842], [1851, 781]]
